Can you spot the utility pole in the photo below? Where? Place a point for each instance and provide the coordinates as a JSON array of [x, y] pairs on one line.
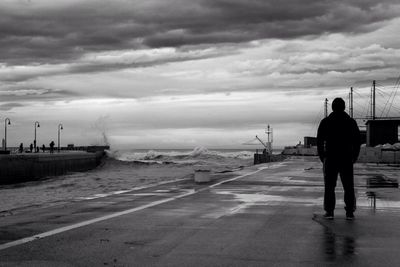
[[373, 99], [326, 107], [351, 102]]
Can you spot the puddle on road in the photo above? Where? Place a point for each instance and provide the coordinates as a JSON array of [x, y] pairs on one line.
[[267, 199], [337, 246], [249, 199], [380, 181]]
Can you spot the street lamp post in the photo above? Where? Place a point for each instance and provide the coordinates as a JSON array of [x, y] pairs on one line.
[[6, 121], [37, 125], [60, 127]]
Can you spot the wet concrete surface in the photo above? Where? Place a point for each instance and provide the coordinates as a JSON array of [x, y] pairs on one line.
[[267, 218]]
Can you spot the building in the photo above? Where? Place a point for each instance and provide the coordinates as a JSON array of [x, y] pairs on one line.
[[382, 131], [310, 141]]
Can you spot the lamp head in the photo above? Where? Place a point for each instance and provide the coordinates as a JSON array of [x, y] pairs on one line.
[[9, 122]]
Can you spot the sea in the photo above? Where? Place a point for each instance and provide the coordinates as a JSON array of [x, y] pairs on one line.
[[121, 170], [215, 159]]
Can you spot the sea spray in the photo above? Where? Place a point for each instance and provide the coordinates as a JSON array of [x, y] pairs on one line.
[[198, 151], [99, 131]]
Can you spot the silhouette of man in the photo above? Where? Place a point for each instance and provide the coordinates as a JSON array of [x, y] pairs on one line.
[[51, 147], [338, 143]]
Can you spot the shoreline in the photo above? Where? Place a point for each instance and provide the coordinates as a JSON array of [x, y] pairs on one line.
[[111, 176]]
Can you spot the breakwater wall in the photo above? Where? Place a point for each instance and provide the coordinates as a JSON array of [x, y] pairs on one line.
[[367, 154], [265, 158], [379, 155], [300, 151], [16, 168]]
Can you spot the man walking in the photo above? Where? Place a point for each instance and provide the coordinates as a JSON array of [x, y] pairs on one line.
[[338, 141]]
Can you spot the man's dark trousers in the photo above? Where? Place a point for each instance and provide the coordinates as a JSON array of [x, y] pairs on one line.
[[333, 167]]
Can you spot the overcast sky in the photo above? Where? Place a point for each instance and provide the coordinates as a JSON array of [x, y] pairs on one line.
[[187, 73]]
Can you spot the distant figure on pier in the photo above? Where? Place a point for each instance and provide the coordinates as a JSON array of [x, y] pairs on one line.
[[21, 148], [43, 148], [51, 147], [31, 147], [338, 142], [37, 149]]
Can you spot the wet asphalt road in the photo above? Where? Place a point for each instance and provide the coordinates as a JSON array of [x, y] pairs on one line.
[[266, 215]]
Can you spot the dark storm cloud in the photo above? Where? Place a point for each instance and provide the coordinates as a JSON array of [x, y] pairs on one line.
[[30, 94], [9, 106], [111, 62], [33, 32], [175, 56]]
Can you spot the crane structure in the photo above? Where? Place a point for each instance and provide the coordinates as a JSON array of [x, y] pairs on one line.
[[268, 144], [262, 142]]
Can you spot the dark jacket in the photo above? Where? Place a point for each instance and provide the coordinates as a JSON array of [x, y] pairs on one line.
[[338, 138]]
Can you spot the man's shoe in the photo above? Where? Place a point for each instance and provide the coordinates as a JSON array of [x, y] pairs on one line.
[[349, 216], [328, 216]]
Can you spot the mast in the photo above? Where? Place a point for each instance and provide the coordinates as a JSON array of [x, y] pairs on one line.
[[326, 107], [373, 100], [351, 102], [269, 139]]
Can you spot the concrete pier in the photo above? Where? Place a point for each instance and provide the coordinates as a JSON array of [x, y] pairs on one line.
[[266, 215], [17, 168]]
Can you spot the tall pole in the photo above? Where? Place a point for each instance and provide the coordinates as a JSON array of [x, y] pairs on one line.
[[351, 102], [7, 120], [34, 141], [373, 99], [269, 138], [60, 127], [326, 107]]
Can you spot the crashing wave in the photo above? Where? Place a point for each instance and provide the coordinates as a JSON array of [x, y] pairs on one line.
[[197, 151], [195, 156], [217, 160]]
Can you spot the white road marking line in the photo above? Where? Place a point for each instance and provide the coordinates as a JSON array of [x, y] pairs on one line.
[[130, 190], [148, 194], [235, 178], [117, 214]]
